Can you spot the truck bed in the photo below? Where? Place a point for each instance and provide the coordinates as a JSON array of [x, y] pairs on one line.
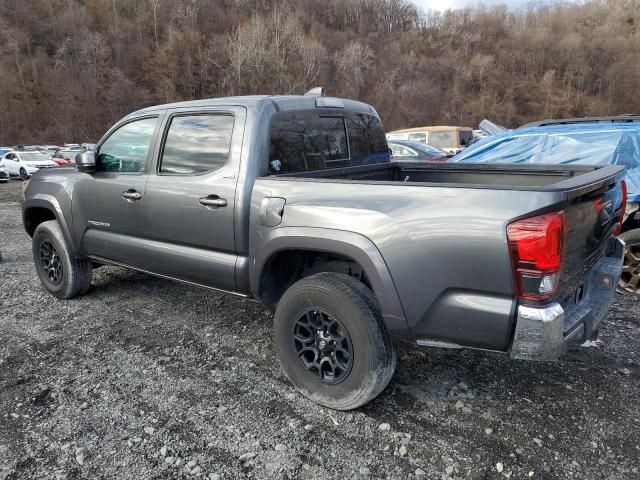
[[500, 176], [441, 230]]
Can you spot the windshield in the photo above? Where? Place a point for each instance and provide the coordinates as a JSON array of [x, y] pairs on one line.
[[445, 139], [33, 156]]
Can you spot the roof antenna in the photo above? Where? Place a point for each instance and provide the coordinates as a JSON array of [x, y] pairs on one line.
[[315, 92]]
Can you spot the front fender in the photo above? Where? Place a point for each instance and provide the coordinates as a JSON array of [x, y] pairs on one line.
[[45, 200], [348, 244]]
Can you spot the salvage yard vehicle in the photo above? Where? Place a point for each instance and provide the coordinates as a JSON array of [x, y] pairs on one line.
[[450, 139], [24, 164], [408, 151], [613, 140], [4, 174], [64, 157], [272, 198]]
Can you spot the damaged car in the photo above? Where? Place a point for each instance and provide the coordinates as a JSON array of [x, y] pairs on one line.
[[613, 140]]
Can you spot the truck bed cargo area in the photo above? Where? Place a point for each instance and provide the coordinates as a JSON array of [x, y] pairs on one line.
[[496, 176]]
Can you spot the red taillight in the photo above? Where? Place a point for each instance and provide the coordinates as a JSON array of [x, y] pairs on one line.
[[537, 249], [623, 208]]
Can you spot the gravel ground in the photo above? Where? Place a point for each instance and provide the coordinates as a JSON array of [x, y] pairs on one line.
[[145, 378]]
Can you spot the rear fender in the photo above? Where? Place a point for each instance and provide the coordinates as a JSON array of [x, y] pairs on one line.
[[348, 244]]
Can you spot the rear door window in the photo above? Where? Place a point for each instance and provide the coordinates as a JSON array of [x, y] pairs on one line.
[[313, 140], [197, 144], [399, 151]]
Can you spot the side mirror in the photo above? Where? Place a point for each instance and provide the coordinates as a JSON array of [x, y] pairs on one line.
[[86, 162]]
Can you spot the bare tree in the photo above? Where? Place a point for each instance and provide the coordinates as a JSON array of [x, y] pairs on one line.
[[351, 63], [72, 67]]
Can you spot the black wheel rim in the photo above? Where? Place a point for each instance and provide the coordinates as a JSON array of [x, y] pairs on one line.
[[23, 174], [630, 277], [51, 262], [323, 346]]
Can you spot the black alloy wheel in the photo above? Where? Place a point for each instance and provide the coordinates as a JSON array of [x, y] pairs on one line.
[[62, 273], [332, 342], [51, 262], [23, 174], [323, 346]]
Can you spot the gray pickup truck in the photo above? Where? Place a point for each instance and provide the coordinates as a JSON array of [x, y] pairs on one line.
[[294, 201]]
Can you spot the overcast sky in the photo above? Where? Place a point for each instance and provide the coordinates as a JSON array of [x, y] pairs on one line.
[[451, 4]]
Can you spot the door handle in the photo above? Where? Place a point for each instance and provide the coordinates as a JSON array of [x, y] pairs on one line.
[[213, 201], [131, 195]]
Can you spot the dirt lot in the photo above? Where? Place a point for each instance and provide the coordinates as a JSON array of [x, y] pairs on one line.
[[144, 378]]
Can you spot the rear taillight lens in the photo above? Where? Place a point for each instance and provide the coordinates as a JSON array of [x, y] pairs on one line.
[[537, 249], [623, 208]]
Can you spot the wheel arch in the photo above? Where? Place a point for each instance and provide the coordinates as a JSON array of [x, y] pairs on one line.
[[336, 245], [41, 208]]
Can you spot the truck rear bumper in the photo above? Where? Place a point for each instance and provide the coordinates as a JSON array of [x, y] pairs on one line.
[[545, 333]]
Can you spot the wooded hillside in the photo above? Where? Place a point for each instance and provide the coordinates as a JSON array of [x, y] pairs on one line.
[[70, 68]]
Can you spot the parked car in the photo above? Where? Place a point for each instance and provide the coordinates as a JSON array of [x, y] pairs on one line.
[[408, 151], [73, 146], [25, 164], [588, 141], [4, 174], [267, 198], [450, 139], [65, 157], [61, 162]]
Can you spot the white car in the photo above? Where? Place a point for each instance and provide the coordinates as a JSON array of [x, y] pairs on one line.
[[4, 175], [25, 164]]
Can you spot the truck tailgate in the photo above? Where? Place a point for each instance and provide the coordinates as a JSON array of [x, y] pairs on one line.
[[592, 214]]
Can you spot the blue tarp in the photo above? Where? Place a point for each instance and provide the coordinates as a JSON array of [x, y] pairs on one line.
[[587, 143]]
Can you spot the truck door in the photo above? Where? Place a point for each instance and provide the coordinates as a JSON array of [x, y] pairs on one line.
[[191, 196], [107, 204]]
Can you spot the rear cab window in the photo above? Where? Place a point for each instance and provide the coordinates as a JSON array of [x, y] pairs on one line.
[[308, 140]]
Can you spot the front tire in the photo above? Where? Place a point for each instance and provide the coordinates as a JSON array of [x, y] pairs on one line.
[[23, 174], [61, 273], [332, 342]]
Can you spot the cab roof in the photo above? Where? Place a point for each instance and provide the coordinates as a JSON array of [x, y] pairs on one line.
[[280, 102]]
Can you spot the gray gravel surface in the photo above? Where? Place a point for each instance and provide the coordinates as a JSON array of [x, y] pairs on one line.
[[145, 378]]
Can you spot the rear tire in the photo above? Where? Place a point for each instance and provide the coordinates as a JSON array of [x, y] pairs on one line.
[[333, 313], [61, 273], [630, 279]]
